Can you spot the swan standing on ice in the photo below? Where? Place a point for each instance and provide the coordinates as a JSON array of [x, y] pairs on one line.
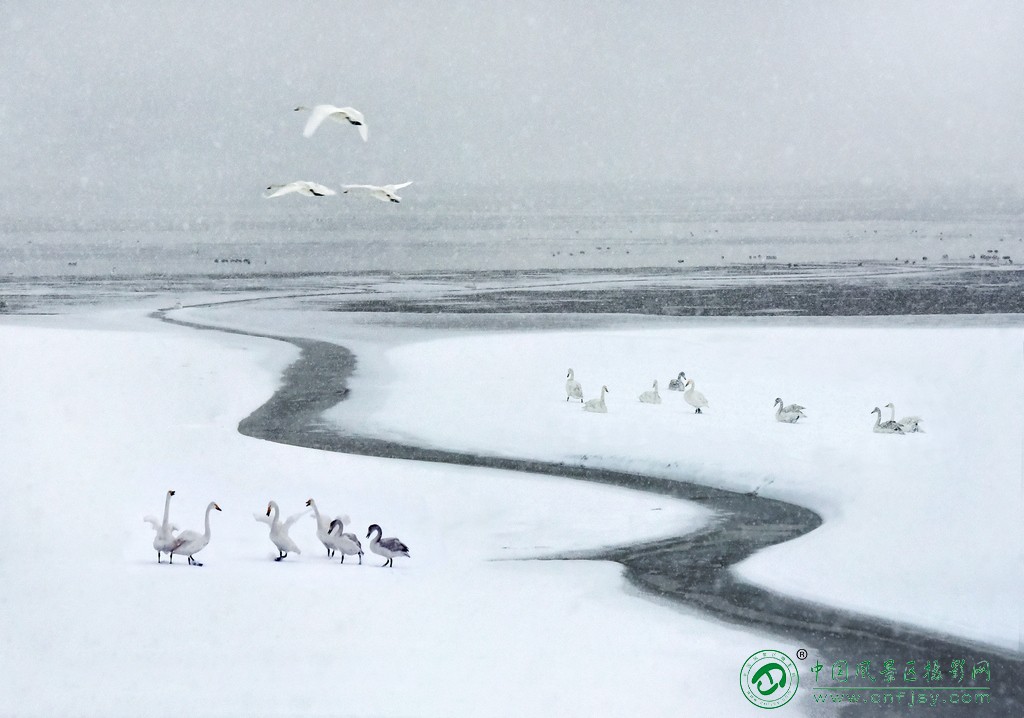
[[323, 527], [386, 547], [279, 529], [192, 542], [694, 398], [789, 414], [887, 427], [573, 390], [909, 424], [165, 538], [678, 384], [339, 114], [652, 396], [310, 189], [383, 192], [347, 543], [597, 405]]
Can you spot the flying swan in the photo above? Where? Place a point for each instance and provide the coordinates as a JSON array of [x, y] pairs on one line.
[[304, 187], [339, 114], [384, 192]]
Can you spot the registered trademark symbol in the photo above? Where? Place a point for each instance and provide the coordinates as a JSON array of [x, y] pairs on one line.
[[801, 654]]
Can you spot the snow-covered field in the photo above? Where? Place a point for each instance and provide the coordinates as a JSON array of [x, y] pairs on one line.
[[923, 528], [105, 411]]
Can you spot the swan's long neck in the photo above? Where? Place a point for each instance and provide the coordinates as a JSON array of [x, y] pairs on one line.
[[571, 375], [273, 513], [208, 510], [878, 417], [892, 412], [167, 511], [316, 512], [376, 535], [778, 411]]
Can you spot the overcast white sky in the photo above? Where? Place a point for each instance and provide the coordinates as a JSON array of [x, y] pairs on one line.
[[196, 98]]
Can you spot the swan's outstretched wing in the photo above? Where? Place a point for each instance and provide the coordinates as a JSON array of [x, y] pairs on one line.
[[318, 189], [319, 114], [153, 521], [276, 190], [295, 517], [263, 518], [396, 187], [368, 187]]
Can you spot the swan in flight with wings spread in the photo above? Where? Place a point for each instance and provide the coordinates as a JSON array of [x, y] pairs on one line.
[[383, 192], [339, 114]]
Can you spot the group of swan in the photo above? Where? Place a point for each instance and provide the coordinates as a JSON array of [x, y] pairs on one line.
[[906, 425], [331, 533], [694, 398], [352, 116], [187, 543]]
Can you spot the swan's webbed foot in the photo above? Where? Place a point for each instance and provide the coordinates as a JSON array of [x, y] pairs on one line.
[[279, 558]]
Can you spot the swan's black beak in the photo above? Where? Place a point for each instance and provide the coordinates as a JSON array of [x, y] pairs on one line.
[[309, 503], [217, 507], [268, 511], [171, 493]]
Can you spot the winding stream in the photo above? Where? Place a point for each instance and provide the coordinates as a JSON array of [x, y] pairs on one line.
[[692, 570]]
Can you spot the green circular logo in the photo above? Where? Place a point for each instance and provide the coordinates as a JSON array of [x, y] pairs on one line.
[[769, 679]]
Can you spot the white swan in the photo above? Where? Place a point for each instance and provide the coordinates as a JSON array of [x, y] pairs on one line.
[[694, 398], [339, 114], [323, 527], [652, 396], [678, 384], [304, 187], [573, 390], [192, 542], [347, 543], [789, 414], [909, 424], [597, 405], [383, 192], [386, 547], [165, 538], [279, 529], [887, 427]]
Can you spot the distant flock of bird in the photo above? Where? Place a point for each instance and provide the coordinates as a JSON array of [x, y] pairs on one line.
[[330, 531], [785, 413], [319, 113]]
